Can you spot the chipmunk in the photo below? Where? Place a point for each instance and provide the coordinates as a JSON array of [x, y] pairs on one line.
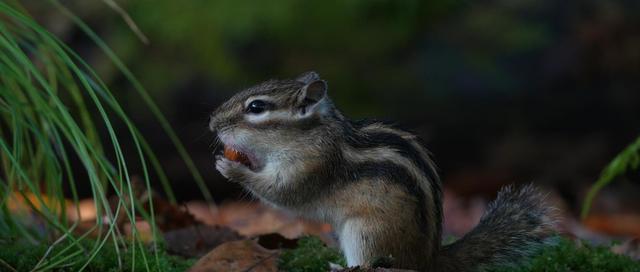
[[288, 145]]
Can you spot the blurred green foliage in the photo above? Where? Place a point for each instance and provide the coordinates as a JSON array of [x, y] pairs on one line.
[[372, 52], [241, 42], [465, 75]]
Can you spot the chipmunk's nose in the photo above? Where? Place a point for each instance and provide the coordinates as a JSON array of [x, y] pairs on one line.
[[220, 122]]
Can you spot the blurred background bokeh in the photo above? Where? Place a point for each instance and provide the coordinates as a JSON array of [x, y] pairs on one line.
[[501, 91]]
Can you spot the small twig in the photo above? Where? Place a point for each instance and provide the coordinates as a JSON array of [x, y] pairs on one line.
[[127, 19]]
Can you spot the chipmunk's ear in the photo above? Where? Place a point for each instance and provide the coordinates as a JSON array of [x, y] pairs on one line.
[[313, 92], [308, 77]]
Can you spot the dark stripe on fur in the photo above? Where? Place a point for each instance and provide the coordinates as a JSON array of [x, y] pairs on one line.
[[361, 140], [392, 140]]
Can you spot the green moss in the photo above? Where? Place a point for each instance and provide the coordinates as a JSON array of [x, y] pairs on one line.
[[24, 256], [311, 255], [568, 255]]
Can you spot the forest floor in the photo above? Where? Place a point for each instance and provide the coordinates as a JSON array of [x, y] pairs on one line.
[[248, 236]]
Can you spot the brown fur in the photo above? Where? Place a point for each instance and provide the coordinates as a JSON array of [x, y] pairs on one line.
[[374, 183]]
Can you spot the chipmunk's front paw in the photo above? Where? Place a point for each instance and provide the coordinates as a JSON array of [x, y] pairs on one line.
[[234, 171]]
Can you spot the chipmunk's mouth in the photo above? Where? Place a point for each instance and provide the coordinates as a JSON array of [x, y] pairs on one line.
[[237, 156]]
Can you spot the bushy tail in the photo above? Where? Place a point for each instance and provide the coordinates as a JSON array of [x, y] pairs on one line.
[[515, 225]]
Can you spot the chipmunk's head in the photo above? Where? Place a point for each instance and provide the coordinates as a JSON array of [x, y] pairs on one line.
[[270, 121]]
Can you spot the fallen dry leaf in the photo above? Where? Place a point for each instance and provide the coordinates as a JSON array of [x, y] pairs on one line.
[[203, 211], [25, 203], [195, 241], [85, 210], [615, 224], [252, 219], [143, 230], [238, 256], [170, 216]]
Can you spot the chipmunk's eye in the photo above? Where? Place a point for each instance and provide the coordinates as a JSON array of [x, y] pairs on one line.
[[257, 106]]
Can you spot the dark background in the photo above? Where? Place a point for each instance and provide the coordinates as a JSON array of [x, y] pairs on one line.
[[501, 91]]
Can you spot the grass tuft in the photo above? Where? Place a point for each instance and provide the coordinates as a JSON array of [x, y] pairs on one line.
[[58, 128], [23, 256]]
